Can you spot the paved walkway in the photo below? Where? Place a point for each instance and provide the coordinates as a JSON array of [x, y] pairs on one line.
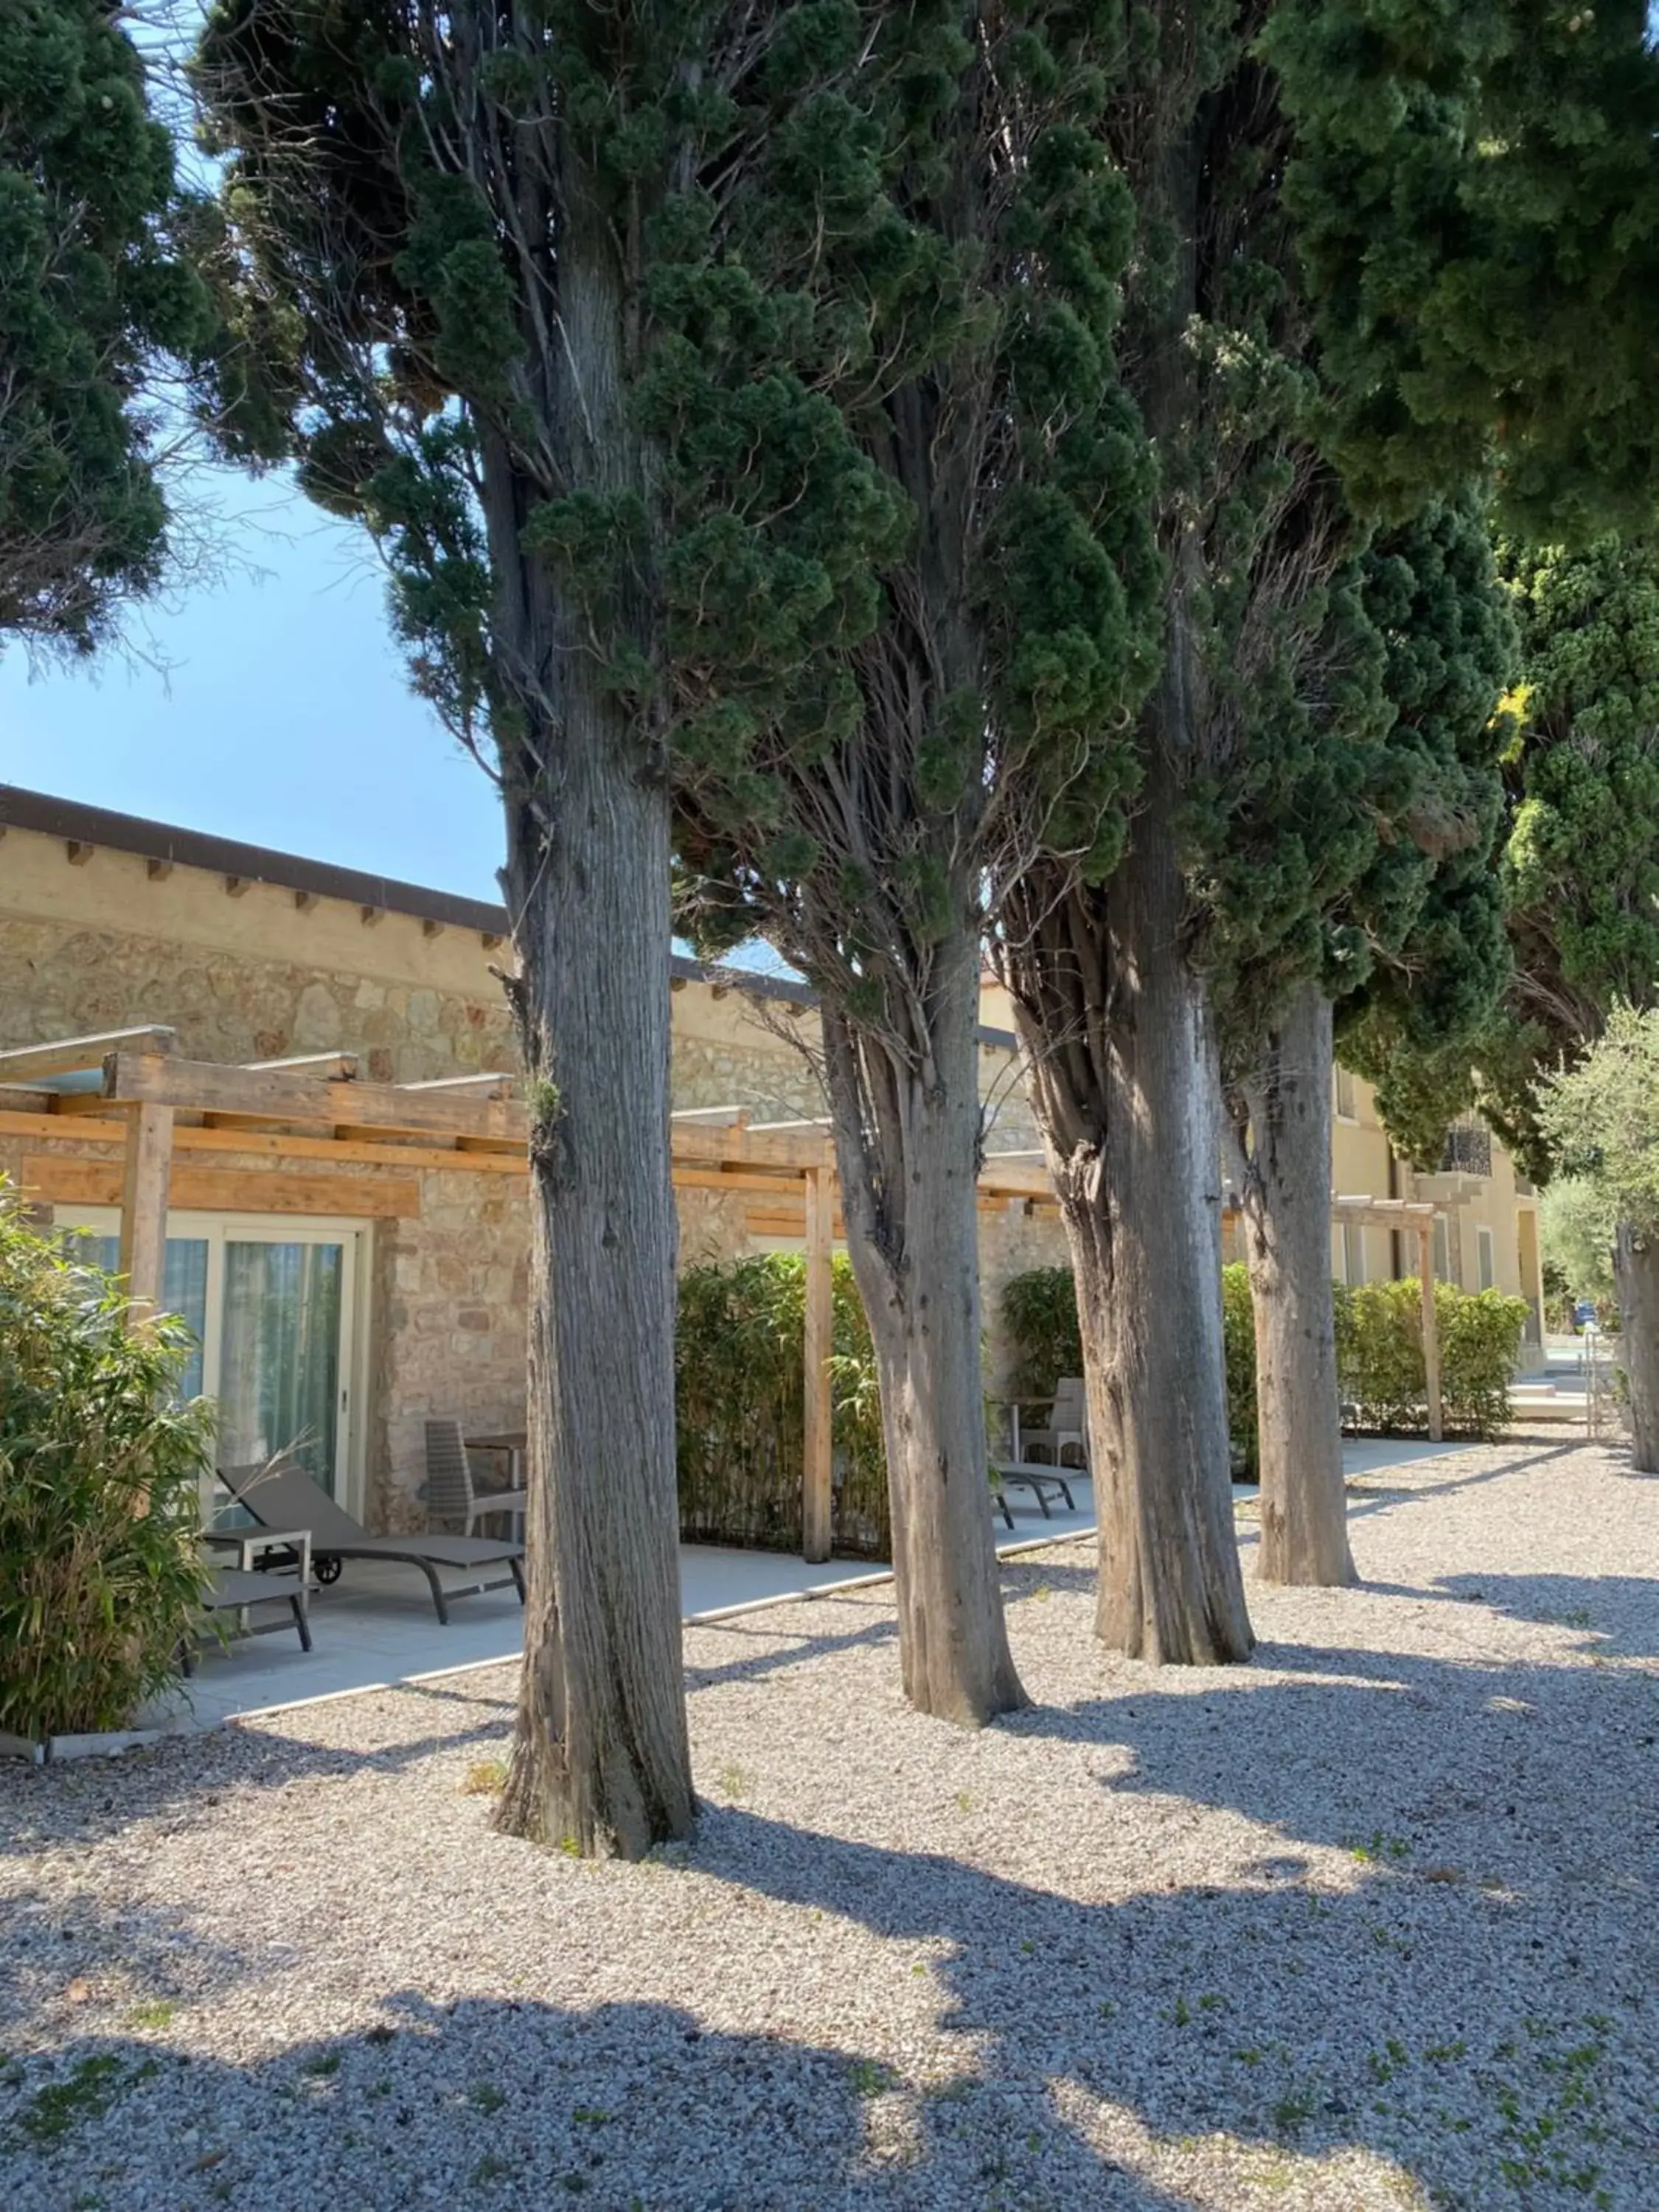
[[376, 1625]]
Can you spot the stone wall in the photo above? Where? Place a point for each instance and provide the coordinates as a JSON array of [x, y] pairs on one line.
[[450, 1301], [1013, 1237], [262, 972], [234, 1006]]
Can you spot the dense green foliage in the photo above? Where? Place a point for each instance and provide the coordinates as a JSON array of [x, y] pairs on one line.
[[1379, 1357], [1238, 1334], [1039, 1314], [101, 1569], [1575, 1240], [739, 1368], [1475, 199], [1582, 864], [1430, 900], [1379, 1351], [96, 302], [1600, 1119], [900, 338]]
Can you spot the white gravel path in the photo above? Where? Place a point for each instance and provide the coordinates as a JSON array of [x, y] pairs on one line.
[[1368, 1924]]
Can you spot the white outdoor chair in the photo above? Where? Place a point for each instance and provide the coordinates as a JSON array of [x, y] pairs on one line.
[[1066, 1429]]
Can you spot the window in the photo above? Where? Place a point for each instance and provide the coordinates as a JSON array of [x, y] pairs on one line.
[[1485, 1259], [1343, 1095], [272, 1303]]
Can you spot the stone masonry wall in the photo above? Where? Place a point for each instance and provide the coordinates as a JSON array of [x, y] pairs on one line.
[[261, 977]]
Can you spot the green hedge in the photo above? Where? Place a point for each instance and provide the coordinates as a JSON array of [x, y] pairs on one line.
[[1379, 1357], [1238, 1325], [739, 1357], [1039, 1312], [1379, 1351], [100, 1564]]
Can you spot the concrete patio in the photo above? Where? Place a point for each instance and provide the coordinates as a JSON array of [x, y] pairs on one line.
[[376, 1626]]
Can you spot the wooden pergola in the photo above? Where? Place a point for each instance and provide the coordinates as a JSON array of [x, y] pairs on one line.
[[168, 1123]]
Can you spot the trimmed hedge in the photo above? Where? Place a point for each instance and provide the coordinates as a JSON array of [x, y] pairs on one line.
[[740, 1347], [1379, 1353], [1039, 1310], [1379, 1357], [100, 1562], [1238, 1328]]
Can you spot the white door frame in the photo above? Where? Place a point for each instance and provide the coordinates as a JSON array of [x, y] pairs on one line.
[[218, 1229]]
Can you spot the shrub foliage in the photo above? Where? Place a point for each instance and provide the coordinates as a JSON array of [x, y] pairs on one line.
[[1238, 1327], [740, 1355], [101, 1569], [1039, 1312], [1379, 1357], [1379, 1351]]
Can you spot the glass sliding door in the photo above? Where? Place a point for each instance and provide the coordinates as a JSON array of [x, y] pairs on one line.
[[183, 1290], [271, 1302], [280, 1355]]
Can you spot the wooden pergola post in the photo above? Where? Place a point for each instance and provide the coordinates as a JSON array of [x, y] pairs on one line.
[[148, 1169], [1430, 1332], [817, 1500]]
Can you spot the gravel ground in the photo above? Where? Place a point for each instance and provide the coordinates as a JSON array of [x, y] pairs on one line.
[[1367, 1923]]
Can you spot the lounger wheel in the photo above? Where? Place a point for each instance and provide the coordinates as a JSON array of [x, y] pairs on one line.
[[327, 1567]]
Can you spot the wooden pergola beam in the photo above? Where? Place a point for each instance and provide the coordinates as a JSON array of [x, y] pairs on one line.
[[31, 1063], [285, 1095], [817, 1457], [146, 1171], [494, 1083], [331, 1067]]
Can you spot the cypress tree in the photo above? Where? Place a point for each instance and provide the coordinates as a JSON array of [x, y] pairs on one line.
[[1356, 886], [441, 226], [1339, 211], [932, 239], [96, 304], [1581, 873]]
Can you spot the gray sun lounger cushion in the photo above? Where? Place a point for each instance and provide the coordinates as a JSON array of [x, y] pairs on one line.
[[283, 1496], [230, 1589]]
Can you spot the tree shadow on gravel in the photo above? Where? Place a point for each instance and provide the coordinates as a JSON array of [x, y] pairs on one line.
[[1619, 1612], [87, 1801], [506, 2104], [1523, 1772], [752, 1666], [1492, 2051]]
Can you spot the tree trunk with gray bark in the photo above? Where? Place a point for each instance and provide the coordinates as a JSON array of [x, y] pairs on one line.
[[1636, 1276], [600, 1759], [907, 1122], [1125, 1089], [1285, 1183]]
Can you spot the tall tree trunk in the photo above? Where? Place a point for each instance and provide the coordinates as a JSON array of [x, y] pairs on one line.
[[1125, 1091], [1636, 1275], [1286, 1185], [907, 1123], [600, 1758]]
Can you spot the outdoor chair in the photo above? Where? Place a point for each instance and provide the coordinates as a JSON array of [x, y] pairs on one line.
[[1066, 1430], [1040, 1479], [450, 1494], [234, 1589], [280, 1495]]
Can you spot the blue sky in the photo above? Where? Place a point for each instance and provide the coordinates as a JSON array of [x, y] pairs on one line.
[[274, 708]]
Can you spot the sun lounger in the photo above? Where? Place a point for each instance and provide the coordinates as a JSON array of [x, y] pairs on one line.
[[283, 1496], [1038, 1477], [234, 1590]]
